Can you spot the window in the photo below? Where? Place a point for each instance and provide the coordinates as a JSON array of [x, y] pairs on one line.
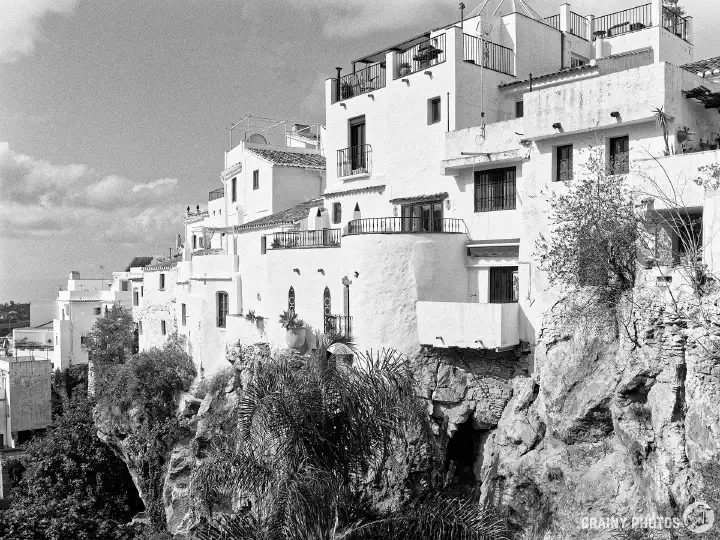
[[142, 290], [124, 286], [519, 109], [194, 242], [503, 285], [256, 179], [163, 328], [619, 155], [434, 111], [263, 245], [162, 282], [140, 330], [136, 298], [97, 310], [564, 163], [495, 190], [688, 230], [183, 314], [83, 340], [233, 189], [291, 300], [222, 309], [337, 212], [425, 216], [577, 61]]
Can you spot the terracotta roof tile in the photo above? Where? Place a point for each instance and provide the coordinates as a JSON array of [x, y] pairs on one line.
[[709, 64], [290, 159], [138, 262], [291, 215]]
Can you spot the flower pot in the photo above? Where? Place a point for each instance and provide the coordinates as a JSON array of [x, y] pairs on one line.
[[295, 338]]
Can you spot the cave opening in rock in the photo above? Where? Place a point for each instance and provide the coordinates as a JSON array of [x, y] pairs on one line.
[[464, 450]]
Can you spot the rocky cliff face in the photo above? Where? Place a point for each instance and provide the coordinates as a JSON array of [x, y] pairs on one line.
[[602, 421]]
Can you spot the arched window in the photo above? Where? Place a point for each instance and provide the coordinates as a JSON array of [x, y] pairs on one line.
[[222, 309], [291, 300], [327, 310]]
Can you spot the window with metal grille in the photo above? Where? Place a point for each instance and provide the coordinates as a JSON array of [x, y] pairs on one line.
[[256, 179], [619, 155], [495, 190], [504, 285], [291, 300], [434, 112], [564, 163], [222, 309]]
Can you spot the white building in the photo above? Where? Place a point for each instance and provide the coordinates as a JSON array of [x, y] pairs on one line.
[[442, 153], [83, 301]]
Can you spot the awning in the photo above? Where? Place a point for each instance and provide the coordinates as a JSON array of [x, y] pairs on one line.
[[709, 98], [434, 197], [506, 248]]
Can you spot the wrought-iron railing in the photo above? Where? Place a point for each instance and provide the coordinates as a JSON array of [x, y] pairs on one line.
[[676, 23], [406, 225], [492, 55], [306, 239], [622, 22], [553, 20], [579, 26], [362, 81], [354, 160], [340, 324], [216, 194], [425, 54]]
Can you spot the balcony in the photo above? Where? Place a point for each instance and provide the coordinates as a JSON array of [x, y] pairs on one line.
[[340, 324], [306, 239], [354, 161], [404, 225], [421, 56], [468, 325], [639, 18], [216, 194], [492, 55], [361, 82]]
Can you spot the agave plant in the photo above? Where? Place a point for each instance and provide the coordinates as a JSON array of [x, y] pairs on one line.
[[309, 442], [290, 320]]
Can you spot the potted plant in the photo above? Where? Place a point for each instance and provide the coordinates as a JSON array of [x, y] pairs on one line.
[[346, 90], [404, 68], [295, 329]]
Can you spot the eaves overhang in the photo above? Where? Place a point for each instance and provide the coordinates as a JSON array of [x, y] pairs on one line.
[[614, 125], [452, 167]]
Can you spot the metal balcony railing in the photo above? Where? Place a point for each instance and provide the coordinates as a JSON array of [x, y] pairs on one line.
[[579, 26], [553, 20], [306, 239], [492, 55], [363, 81], [622, 22], [386, 225], [425, 54], [216, 194], [676, 23], [340, 324], [354, 160]]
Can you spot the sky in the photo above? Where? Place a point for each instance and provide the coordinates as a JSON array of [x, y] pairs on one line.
[[114, 114]]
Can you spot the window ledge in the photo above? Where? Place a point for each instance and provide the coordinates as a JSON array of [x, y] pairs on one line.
[[354, 176]]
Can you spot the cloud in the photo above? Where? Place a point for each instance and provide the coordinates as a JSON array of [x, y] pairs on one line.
[[72, 201], [355, 18], [20, 24]]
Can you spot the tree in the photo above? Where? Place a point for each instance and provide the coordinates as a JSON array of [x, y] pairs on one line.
[[674, 7], [73, 486], [312, 440], [112, 339], [593, 233]]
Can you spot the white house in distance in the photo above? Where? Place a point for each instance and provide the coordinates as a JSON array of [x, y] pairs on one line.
[[83, 301], [441, 154]]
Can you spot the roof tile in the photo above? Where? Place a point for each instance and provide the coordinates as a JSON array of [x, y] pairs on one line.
[[290, 159], [291, 215]]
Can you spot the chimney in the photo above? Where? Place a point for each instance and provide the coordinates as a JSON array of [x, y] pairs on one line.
[[74, 275]]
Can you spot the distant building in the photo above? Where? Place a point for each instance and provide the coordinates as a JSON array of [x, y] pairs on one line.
[[25, 400]]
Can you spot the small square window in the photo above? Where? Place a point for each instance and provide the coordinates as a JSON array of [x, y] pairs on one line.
[[97, 310], [519, 109], [434, 110], [337, 212], [256, 179]]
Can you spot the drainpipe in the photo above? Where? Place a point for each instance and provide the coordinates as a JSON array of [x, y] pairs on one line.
[[339, 69]]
